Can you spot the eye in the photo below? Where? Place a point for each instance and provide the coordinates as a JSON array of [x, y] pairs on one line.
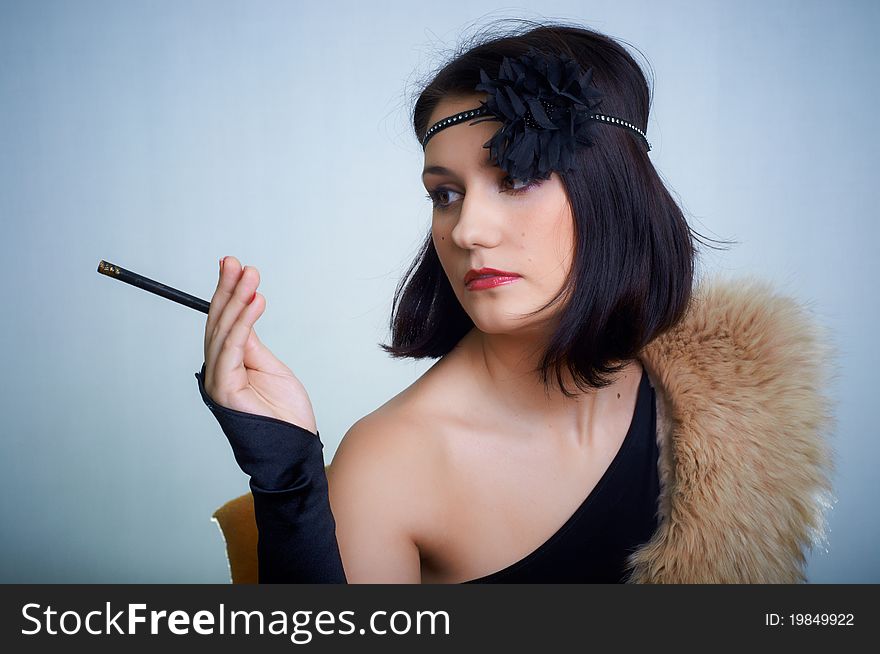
[[526, 183], [438, 197]]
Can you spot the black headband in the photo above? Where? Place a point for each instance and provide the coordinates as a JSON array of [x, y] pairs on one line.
[[546, 104]]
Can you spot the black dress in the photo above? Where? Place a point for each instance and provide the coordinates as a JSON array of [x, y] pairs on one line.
[[297, 531]]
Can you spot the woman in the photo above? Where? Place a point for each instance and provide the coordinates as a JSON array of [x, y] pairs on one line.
[[591, 417]]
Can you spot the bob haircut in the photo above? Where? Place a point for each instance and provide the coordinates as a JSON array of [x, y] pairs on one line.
[[633, 267]]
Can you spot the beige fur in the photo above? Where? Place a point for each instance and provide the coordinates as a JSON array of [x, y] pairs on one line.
[[742, 424]]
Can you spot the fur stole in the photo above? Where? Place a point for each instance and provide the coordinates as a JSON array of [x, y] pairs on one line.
[[743, 417]]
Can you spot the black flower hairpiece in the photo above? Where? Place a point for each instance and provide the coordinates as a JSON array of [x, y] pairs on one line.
[[547, 105]]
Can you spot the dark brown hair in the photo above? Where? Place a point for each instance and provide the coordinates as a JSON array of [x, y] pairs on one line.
[[633, 269]]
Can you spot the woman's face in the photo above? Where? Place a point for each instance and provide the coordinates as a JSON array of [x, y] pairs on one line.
[[482, 218]]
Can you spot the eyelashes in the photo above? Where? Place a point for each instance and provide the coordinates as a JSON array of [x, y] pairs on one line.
[[436, 196]]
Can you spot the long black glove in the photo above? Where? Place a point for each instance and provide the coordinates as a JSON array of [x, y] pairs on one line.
[[297, 531]]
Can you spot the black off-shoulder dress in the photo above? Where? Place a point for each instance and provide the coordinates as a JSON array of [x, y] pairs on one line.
[[297, 531]]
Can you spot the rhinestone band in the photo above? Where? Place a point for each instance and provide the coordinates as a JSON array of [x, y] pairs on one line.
[[623, 123], [452, 120], [479, 111]]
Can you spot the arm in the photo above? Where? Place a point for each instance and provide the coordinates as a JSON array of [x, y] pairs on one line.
[[297, 529], [297, 541], [378, 496]]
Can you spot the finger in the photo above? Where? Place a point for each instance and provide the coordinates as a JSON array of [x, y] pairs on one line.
[[229, 275], [230, 272], [256, 355], [237, 288], [232, 353], [241, 296]]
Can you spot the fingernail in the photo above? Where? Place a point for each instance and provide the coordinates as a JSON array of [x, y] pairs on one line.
[[252, 297]]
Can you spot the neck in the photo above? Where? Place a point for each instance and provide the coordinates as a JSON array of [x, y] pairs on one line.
[[502, 366]]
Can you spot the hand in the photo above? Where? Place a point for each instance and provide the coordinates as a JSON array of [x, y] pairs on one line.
[[240, 372]]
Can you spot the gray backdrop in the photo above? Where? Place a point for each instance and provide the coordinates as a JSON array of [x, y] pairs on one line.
[[163, 135]]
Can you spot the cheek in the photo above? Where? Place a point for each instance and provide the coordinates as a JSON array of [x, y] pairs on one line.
[[440, 239], [553, 238], [563, 231], [438, 228], [441, 246], [564, 242]]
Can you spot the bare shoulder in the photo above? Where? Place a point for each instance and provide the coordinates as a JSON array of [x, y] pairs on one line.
[[401, 441], [384, 489], [392, 446]]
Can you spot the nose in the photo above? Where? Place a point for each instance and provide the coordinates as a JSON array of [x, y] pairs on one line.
[[479, 219]]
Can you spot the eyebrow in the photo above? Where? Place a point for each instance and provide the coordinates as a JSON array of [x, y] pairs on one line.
[[442, 170]]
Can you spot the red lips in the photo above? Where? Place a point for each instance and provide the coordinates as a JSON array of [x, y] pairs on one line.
[[486, 272]]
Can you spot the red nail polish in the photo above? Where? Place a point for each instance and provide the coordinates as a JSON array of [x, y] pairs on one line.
[[252, 297]]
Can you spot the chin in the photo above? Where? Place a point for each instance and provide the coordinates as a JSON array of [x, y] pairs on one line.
[[499, 321]]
